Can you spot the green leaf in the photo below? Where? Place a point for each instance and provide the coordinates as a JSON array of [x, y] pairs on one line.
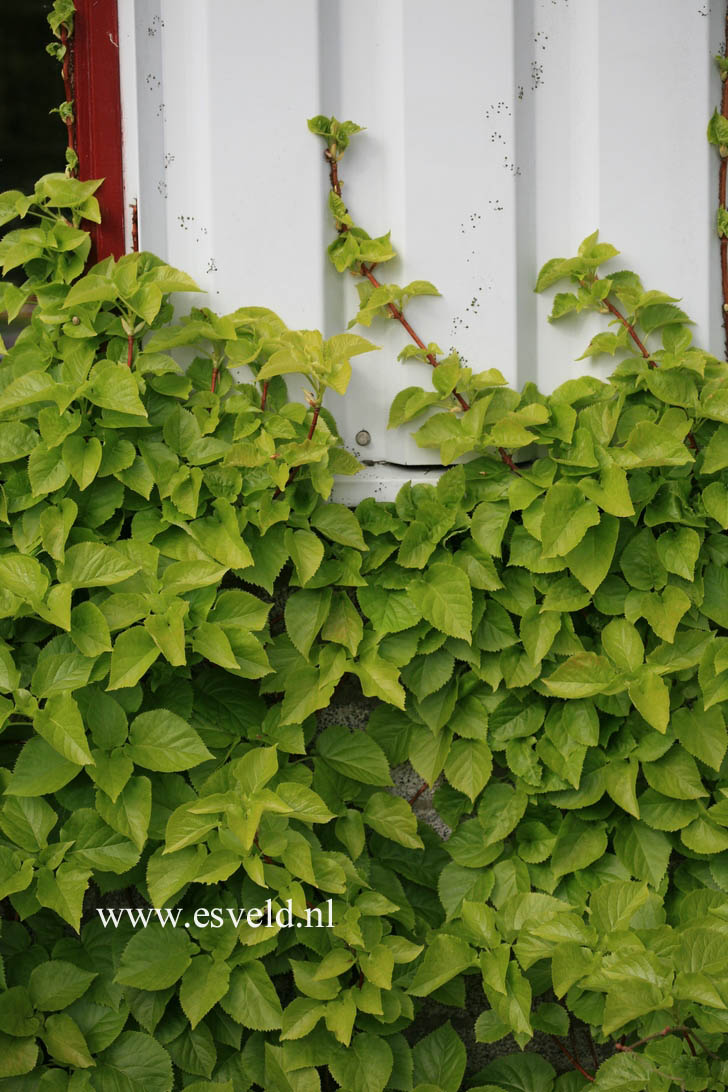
[[525, 1072], [39, 770], [83, 459], [621, 782], [56, 984], [23, 576], [702, 734], [440, 1059], [338, 524], [343, 625], [307, 553], [651, 696], [613, 905], [651, 445], [624, 1073], [445, 957], [445, 598], [500, 810], [93, 565], [129, 814], [566, 519], [157, 954], [678, 551], [392, 817], [113, 386], [365, 1066], [379, 678], [134, 653], [251, 999], [388, 611], [675, 775], [305, 613], [623, 644], [134, 1063], [255, 769], [61, 725], [161, 740], [582, 676], [468, 767], [355, 755], [17, 1056], [578, 844], [63, 891], [64, 1041], [90, 630]]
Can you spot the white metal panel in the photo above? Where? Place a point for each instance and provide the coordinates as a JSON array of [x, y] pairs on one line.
[[499, 133]]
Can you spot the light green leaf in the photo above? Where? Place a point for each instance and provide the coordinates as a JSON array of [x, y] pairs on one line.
[[468, 767], [445, 598], [113, 386], [161, 740], [566, 519], [157, 954], [393, 818], [355, 755], [93, 565], [134, 653], [445, 957]]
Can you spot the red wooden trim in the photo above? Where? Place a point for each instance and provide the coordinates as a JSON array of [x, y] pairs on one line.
[[98, 117]]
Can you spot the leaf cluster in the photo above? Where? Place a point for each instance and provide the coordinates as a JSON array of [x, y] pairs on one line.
[[545, 643]]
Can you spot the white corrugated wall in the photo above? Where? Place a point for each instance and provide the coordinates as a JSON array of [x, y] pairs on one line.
[[499, 133]]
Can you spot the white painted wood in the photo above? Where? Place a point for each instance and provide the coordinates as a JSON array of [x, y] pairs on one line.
[[499, 133]]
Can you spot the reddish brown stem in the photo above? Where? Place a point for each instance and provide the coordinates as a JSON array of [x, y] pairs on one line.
[[395, 312], [721, 201], [129, 350], [213, 381], [631, 330], [640, 345], [134, 226], [264, 856], [677, 1029], [264, 395], [294, 471], [68, 81], [505, 458], [330, 154], [418, 794], [573, 1060], [314, 422]]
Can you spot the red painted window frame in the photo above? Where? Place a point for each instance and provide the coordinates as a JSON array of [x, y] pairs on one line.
[[98, 118]]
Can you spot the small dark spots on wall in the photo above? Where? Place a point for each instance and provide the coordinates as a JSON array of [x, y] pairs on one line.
[[168, 160], [211, 266], [536, 75], [495, 205], [497, 109], [152, 82], [185, 221], [156, 24], [704, 10], [541, 39], [520, 91], [162, 188]]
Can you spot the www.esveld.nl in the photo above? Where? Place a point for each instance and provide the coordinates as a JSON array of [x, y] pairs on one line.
[[218, 916]]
